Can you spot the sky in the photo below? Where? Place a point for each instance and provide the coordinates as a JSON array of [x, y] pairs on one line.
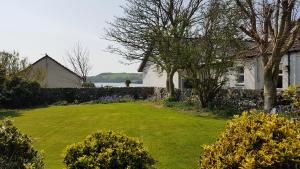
[[36, 27]]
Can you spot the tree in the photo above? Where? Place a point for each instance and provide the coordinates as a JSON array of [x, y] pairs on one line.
[[78, 58], [153, 30], [211, 55], [274, 26], [2, 77], [12, 63], [2, 82]]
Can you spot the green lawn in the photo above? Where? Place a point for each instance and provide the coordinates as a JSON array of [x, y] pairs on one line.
[[173, 138]]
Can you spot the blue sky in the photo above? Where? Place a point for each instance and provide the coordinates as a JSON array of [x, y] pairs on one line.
[[36, 27]]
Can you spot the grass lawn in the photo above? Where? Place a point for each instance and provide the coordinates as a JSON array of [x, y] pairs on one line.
[[172, 137]]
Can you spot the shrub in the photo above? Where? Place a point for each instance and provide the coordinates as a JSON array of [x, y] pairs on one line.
[[255, 140], [108, 150], [127, 83], [290, 103], [290, 94], [19, 93], [16, 149], [88, 85]]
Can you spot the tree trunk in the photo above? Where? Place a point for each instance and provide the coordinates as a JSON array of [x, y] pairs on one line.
[[270, 86], [170, 84], [203, 102], [84, 79], [167, 83]]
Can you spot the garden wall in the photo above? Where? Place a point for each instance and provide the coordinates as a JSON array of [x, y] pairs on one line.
[[237, 99], [81, 95], [243, 99]]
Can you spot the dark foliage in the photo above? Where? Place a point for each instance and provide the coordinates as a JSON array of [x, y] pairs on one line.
[[88, 85], [16, 149], [94, 94], [19, 93]]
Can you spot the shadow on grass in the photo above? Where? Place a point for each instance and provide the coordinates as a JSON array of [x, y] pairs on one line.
[[215, 114], [6, 114], [197, 111], [223, 113]]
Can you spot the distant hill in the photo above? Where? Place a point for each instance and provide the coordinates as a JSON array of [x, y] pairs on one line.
[[116, 78]]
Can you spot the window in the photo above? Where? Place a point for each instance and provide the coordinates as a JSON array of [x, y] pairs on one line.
[[187, 84], [240, 75], [280, 78]]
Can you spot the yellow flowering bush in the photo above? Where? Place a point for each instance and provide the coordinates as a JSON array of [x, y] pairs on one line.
[[255, 140], [108, 150], [290, 94]]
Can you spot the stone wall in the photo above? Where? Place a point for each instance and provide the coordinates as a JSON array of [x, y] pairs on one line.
[[162, 93], [81, 95], [239, 99]]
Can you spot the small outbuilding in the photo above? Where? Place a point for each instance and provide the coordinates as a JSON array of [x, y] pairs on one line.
[[51, 74]]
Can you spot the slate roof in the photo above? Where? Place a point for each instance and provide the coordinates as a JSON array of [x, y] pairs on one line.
[[254, 51]]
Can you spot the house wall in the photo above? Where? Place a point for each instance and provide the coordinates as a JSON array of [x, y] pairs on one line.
[[254, 72], [295, 68], [250, 75], [285, 73], [54, 75], [154, 78]]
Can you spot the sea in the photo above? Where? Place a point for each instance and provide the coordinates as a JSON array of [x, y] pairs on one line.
[[116, 85]]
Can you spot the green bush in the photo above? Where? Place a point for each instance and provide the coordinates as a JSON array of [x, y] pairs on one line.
[[19, 93], [290, 94], [88, 85], [127, 83], [170, 102], [16, 149], [108, 150], [255, 140]]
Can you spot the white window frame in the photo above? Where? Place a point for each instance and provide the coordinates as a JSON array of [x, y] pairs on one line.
[[239, 74], [280, 75]]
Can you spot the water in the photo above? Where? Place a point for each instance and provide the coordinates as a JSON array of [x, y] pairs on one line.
[[117, 85]]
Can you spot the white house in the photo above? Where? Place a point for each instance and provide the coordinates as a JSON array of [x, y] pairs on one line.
[[51, 74], [248, 75]]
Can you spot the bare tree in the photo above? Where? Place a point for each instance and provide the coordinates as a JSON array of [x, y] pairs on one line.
[[78, 58], [153, 30], [210, 56], [274, 26]]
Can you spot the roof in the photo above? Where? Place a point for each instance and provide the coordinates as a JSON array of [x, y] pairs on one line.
[[252, 52], [64, 67]]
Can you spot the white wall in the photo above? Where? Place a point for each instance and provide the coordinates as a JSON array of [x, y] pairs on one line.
[[295, 68], [154, 78], [250, 75], [254, 72], [285, 71]]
